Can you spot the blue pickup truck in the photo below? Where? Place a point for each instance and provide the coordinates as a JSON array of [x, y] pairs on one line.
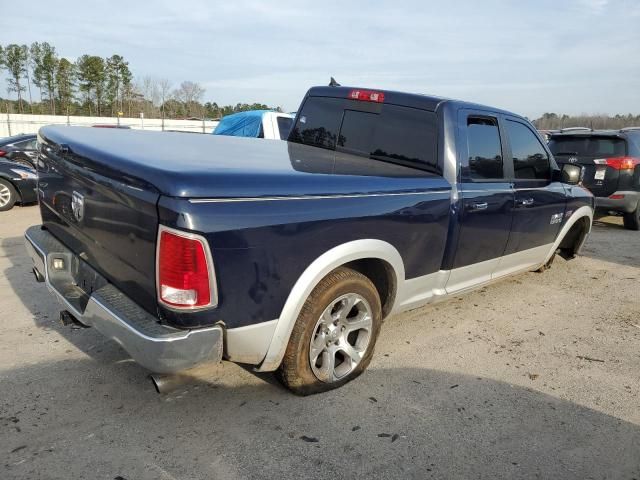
[[288, 255]]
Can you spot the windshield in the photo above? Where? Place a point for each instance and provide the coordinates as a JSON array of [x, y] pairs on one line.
[[389, 133], [588, 146]]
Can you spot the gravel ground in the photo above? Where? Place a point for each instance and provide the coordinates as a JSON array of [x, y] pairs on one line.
[[533, 377]]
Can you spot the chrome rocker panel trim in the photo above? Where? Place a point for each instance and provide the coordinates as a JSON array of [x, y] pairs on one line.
[[159, 348]]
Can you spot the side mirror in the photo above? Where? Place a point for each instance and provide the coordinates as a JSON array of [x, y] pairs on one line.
[[569, 174]]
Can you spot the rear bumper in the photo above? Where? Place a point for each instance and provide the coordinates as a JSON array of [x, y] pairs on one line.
[[627, 204], [156, 347]]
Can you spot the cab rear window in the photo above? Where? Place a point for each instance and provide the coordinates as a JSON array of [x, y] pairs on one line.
[[588, 146], [390, 133]]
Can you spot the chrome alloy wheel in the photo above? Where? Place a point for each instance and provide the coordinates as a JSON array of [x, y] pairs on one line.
[[5, 195], [340, 338]]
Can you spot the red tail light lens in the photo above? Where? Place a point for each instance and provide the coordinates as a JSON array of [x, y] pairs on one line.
[[367, 96], [623, 163], [184, 270], [2, 153]]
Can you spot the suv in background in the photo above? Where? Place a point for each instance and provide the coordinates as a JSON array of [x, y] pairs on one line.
[[611, 161]]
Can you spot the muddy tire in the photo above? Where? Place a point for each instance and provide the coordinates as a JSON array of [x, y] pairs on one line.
[[333, 339]]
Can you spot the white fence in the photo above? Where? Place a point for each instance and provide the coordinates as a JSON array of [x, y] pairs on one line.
[[13, 124]]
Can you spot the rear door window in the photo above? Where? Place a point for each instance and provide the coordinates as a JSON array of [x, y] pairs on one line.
[[484, 160], [391, 133], [26, 145], [530, 159]]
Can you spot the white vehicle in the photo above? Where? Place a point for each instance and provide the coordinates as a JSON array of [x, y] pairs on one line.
[[267, 124]]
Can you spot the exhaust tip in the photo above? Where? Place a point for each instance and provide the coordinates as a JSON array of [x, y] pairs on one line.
[[167, 383], [154, 381], [67, 319], [38, 275]]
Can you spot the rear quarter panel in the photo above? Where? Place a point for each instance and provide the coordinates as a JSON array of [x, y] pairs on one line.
[[260, 248]]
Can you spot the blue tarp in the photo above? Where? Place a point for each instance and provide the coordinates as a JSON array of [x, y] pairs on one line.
[[241, 124]]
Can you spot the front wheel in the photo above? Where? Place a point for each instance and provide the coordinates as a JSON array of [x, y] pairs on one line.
[[333, 339], [8, 196], [632, 220]]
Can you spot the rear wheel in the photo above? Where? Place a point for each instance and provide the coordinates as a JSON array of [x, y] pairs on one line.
[[8, 196], [632, 220], [24, 161], [333, 339]]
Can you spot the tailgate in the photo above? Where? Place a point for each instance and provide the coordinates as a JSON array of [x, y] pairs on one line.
[[107, 218], [590, 152]]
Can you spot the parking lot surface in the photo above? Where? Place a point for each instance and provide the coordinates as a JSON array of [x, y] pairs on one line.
[[533, 377]]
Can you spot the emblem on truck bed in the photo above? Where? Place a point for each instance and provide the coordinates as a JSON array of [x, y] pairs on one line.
[[77, 206]]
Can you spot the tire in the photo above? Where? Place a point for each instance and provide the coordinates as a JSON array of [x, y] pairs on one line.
[[632, 220], [8, 196], [325, 322]]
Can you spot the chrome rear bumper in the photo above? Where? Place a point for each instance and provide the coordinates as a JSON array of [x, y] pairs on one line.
[[159, 348]]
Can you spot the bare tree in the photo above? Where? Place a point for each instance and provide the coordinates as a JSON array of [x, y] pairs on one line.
[[190, 94], [164, 90]]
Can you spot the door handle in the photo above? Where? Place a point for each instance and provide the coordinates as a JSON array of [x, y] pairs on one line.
[[524, 202], [477, 206]]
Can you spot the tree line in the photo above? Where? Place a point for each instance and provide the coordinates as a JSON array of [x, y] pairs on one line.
[[96, 86], [553, 121]]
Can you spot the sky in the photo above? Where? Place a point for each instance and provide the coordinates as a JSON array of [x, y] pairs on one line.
[[564, 56]]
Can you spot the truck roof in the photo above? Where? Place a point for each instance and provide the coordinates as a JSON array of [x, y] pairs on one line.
[[415, 100]]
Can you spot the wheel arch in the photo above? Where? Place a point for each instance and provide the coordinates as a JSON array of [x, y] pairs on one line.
[[378, 260], [573, 233]]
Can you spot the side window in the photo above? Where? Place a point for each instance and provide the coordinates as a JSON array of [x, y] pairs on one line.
[[284, 126], [23, 145], [318, 122], [530, 160], [485, 151]]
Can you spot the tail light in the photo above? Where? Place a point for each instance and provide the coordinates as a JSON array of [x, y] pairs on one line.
[[185, 277], [620, 163], [367, 96], [2, 153]]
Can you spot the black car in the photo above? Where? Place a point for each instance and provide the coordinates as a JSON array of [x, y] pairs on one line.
[[611, 161], [19, 149], [17, 185]]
